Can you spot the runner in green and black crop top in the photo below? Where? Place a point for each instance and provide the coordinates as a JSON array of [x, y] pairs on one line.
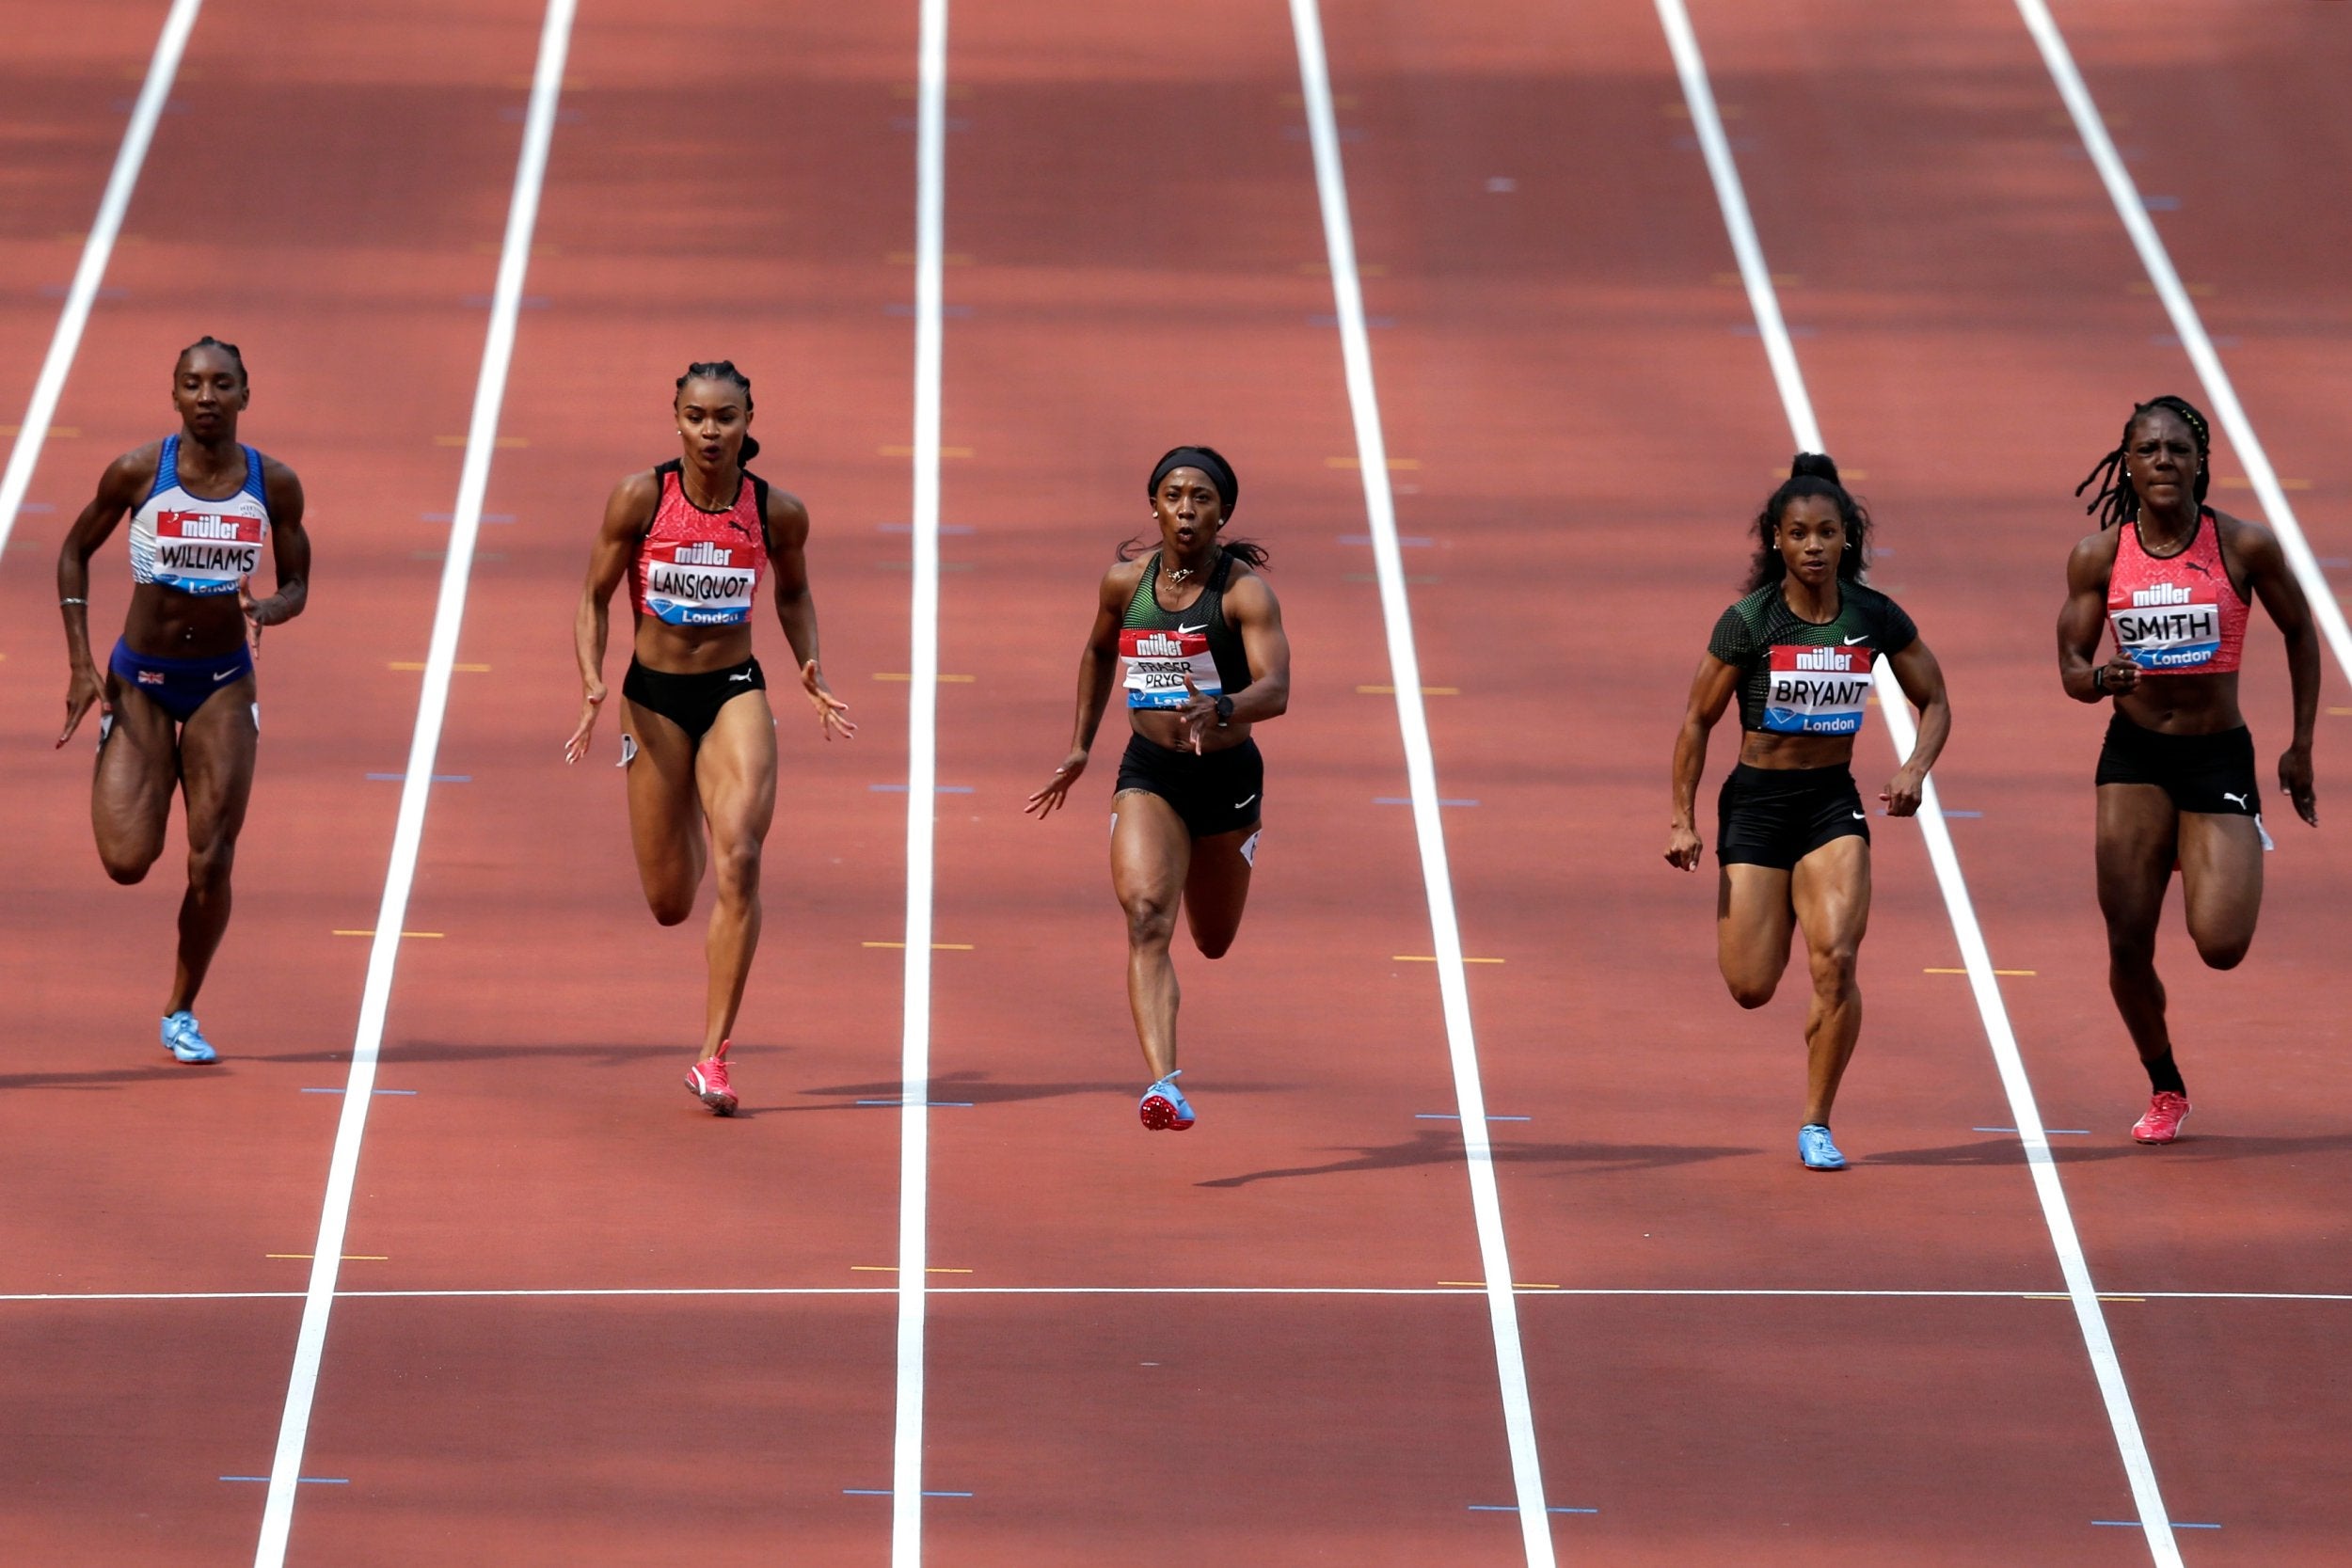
[[1196, 639], [1798, 650]]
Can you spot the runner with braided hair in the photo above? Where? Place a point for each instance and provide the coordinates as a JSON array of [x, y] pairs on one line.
[[2173, 579]]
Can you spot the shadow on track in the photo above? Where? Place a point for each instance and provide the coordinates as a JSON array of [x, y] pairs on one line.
[[2194, 1147], [1439, 1147]]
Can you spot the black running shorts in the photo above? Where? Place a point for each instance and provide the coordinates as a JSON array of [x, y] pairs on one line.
[[1216, 792], [1777, 817], [2200, 772]]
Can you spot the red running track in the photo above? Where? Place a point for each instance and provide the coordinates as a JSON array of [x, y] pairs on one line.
[[1138, 261]]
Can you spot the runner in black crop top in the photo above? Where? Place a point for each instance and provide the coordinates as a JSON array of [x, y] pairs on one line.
[[1192, 638], [1794, 845]]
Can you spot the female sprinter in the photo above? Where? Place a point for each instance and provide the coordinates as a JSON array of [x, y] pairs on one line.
[[176, 705], [2176, 773], [1201, 639], [1793, 841], [693, 536]]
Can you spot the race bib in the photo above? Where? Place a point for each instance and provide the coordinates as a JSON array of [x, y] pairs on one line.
[[206, 552], [1818, 690], [692, 583], [1158, 661], [2167, 626]]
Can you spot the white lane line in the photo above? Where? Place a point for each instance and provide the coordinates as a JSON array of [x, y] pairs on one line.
[[1901, 731], [914, 1043], [162, 70], [1662, 1292], [2189, 327], [408, 832], [1421, 768]]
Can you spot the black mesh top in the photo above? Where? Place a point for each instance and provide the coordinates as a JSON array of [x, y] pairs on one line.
[[1794, 693]]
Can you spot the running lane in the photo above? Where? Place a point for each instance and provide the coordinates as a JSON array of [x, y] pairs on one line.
[[1568, 363], [2000, 285], [1141, 264], [730, 189], [316, 198]]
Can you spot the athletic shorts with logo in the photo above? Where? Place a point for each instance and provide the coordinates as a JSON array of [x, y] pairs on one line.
[[1216, 792], [1777, 817], [2200, 772]]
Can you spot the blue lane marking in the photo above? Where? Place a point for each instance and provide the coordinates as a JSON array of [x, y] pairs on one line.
[[306, 1481], [2134, 1523], [1405, 540], [1963, 814], [936, 1104], [450, 517], [1514, 1508], [901, 789], [45, 506], [2079, 1132], [1452, 1115], [437, 778], [884, 1491], [372, 1091], [2322, 560], [1406, 801], [2161, 203]]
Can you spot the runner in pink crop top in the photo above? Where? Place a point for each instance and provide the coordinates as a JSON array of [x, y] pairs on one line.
[[2171, 578]]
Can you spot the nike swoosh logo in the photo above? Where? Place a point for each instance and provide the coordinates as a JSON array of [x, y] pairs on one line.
[[1181, 627], [1238, 804], [1852, 641], [225, 674], [1859, 817]]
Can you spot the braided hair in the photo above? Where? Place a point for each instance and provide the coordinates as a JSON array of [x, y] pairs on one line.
[[2117, 501], [1812, 474], [208, 341], [723, 370]]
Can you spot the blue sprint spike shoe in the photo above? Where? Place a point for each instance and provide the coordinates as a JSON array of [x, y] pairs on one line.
[[1164, 1105], [186, 1040], [1815, 1150]]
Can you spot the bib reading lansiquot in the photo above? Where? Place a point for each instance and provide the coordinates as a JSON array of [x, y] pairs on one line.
[[691, 582], [1158, 661], [1816, 690]]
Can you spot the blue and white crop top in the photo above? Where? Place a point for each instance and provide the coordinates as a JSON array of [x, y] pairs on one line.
[[192, 543]]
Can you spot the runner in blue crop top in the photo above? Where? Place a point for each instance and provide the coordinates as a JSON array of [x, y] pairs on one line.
[[176, 698]]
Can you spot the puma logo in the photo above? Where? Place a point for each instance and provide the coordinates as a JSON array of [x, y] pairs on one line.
[[740, 675], [2240, 798], [2199, 567]]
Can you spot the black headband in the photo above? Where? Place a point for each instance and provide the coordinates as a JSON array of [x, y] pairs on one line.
[[1210, 462]]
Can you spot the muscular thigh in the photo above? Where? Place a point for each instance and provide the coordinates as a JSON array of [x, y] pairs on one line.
[[1753, 922], [664, 810], [2138, 839], [218, 748], [138, 764], [735, 771], [1830, 890], [1216, 887], [1151, 850], [2221, 875]]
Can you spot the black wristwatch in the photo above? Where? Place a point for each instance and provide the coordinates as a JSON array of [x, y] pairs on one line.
[[1224, 709]]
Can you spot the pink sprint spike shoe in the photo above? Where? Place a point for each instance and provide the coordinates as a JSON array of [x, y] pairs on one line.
[[2162, 1124], [706, 1080]]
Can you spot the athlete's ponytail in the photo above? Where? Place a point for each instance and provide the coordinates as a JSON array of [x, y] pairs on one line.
[[723, 370], [1813, 473]]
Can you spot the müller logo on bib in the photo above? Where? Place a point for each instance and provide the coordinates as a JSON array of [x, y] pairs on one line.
[[2167, 626], [207, 546], [1816, 690], [1158, 663]]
